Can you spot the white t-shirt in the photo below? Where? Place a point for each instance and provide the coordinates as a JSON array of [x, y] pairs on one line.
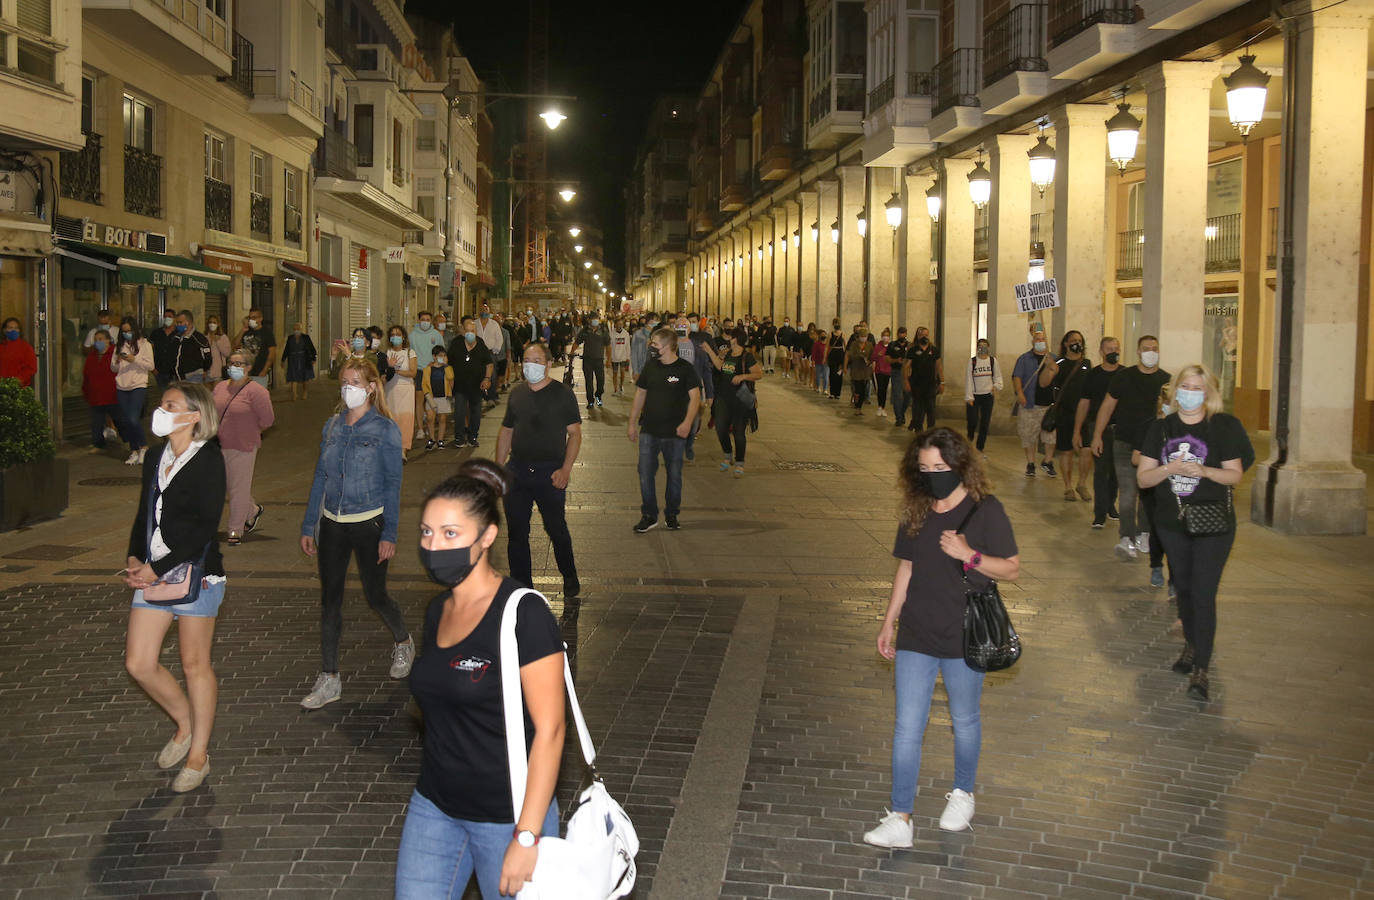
[[620, 346]]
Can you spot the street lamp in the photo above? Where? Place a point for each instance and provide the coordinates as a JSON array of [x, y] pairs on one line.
[[586, 264], [815, 232], [893, 208], [577, 248], [1123, 136], [567, 194], [835, 232], [552, 118], [760, 252], [574, 231], [796, 237], [980, 184], [863, 221], [1246, 89], [1041, 164], [933, 201]]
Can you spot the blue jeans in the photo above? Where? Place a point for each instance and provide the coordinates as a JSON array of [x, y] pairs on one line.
[[899, 397], [132, 404], [915, 686], [822, 377], [439, 853], [672, 449]]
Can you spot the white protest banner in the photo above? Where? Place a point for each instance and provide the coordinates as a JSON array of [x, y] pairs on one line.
[[1037, 295]]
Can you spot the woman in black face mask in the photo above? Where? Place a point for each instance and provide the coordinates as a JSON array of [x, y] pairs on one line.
[[460, 819], [952, 529]]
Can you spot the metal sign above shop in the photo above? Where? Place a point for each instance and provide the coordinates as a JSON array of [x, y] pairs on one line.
[[114, 236], [9, 192], [1034, 296], [396, 254]]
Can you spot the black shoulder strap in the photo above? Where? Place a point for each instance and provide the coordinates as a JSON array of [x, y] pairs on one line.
[[964, 524]]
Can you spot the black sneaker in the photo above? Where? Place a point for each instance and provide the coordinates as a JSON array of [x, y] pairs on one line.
[[1098, 524], [429, 445], [1048, 466], [440, 445], [590, 405], [645, 523], [472, 443], [1113, 514], [1030, 470], [673, 523], [251, 525]]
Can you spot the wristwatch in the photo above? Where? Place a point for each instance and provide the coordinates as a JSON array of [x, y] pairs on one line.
[[526, 838], [974, 561]]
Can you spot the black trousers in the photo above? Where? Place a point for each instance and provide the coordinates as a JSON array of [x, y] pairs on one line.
[[922, 407], [836, 380], [732, 419], [594, 369], [334, 544], [979, 418], [533, 485], [1196, 562], [881, 394], [859, 387], [1104, 478]]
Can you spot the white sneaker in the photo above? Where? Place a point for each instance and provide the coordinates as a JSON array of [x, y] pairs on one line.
[[1142, 542], [327, 689], [958, 811], [1125, 549], [402, 656], [892, 831], [133, 459], [882, 413], [111, 434]]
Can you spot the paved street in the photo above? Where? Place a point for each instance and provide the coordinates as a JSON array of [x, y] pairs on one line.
[[729, 673]]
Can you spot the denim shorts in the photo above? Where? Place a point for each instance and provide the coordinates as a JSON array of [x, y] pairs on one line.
[[206, 604]]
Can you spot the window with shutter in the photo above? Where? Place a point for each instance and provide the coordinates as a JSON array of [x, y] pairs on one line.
[[36, 16]]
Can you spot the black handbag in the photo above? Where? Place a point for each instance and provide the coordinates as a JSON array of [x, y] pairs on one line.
[[990, 641], [1052, 414], [1216, 517]]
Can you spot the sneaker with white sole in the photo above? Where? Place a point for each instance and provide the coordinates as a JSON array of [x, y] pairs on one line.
[[1125, 549], [1142, 542], [402, 656], [327, 689], [892, 831], [958, 811]]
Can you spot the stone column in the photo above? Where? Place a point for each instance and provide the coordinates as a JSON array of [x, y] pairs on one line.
[[828, 257], [958, 293], [1177, 109], [807, 254], [851, 247], [1080, 208], [882, 251], [1308, 485], [919, 305], [1008, 260]]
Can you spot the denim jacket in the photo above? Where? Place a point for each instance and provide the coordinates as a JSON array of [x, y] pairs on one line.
[[359, 469]]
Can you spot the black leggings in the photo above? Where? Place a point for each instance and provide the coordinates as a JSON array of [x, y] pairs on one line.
[[594, 371], [836, 380], [979, 417], [732, 419], [1196, 562], [882, 389], [334, 544]]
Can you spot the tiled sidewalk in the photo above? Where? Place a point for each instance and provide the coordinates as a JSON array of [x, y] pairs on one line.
[[1098, 777]]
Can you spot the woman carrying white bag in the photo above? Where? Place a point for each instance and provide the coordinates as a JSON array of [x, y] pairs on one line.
[[461, 818]]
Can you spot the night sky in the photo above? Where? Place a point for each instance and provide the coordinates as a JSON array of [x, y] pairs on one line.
[[615, 57]]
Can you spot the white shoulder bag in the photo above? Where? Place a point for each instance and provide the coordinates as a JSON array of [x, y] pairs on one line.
[[596, 860]]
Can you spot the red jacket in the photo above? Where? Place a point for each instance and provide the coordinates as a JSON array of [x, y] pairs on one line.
[[98, 379], [17, 360]]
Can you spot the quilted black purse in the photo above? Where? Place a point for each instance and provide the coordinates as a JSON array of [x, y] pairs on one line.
[[990, 640], [1207, 518]]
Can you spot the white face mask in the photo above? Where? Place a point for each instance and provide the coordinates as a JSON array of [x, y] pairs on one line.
[[1149, 358], [235, 373], [1190, 401], [443, 326], [164, 422], [1040, 346], [353, 396], [376, 343], [534, 372], [213, 326]]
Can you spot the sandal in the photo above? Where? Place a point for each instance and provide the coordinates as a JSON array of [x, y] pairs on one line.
[[234, 539]]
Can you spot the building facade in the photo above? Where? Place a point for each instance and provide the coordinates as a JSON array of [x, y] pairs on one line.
[[1182, 225]]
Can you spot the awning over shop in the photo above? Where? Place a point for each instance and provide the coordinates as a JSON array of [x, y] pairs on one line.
[[332, 286], [227, 261], [156, 269], [24, 236]]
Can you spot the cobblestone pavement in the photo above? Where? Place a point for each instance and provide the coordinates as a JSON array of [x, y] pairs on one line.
[[1098, 777]]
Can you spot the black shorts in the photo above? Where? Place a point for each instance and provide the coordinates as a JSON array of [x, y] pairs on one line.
[[1063, 436]]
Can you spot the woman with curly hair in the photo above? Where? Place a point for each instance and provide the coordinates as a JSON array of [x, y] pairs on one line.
[[952, 530]]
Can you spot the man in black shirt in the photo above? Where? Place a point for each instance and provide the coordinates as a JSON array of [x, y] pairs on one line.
[[924, 375], [595, 339], [1085, 419], [541, 436], [472, 366], [896, 356], [787, 339], [768, 340], [192, 349], [1132, 402], [261, 344], [667, 396], [164, 350]]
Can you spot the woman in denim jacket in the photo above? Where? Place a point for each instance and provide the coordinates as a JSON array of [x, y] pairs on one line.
[[355, 503]]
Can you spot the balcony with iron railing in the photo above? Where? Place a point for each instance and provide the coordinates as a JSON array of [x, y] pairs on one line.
[[219, 205], [293, 105], [291, 223], [1068, 18], [958, 78], [336, 156], [188, 36], [1035, 228], [142, 182], [1015, 42], [920, 84], [1223, 234], [1130, 255], [260, 216], [241, 75], [882, 95], [79, 171]]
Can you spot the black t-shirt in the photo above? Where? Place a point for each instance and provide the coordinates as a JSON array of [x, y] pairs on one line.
[[469, 363], [834, 355], [932, 619], [787, 337], [1210, 442], [164, 351], [668, 388], [258, 342], [539, 420], [1094, 390], [1137, 399], [464, 770], [730, 366], [1057, 389], [594, 342], [923, 359], [896, 352]]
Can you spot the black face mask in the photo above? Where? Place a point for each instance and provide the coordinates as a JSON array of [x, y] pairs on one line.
[[923, 341], [1075, 348], [449, 567], [1111, 358], [941, 484], [654, 352]]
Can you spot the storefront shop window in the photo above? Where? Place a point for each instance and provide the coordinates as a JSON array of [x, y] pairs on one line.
[[1220, 338]]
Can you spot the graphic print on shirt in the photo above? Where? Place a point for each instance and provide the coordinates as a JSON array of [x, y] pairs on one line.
[[1185, 449], [475, 666]]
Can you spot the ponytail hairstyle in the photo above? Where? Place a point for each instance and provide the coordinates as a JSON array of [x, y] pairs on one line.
[[479, 484]]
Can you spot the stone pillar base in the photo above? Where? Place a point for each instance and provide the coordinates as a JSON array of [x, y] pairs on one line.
[[1312, 499]]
